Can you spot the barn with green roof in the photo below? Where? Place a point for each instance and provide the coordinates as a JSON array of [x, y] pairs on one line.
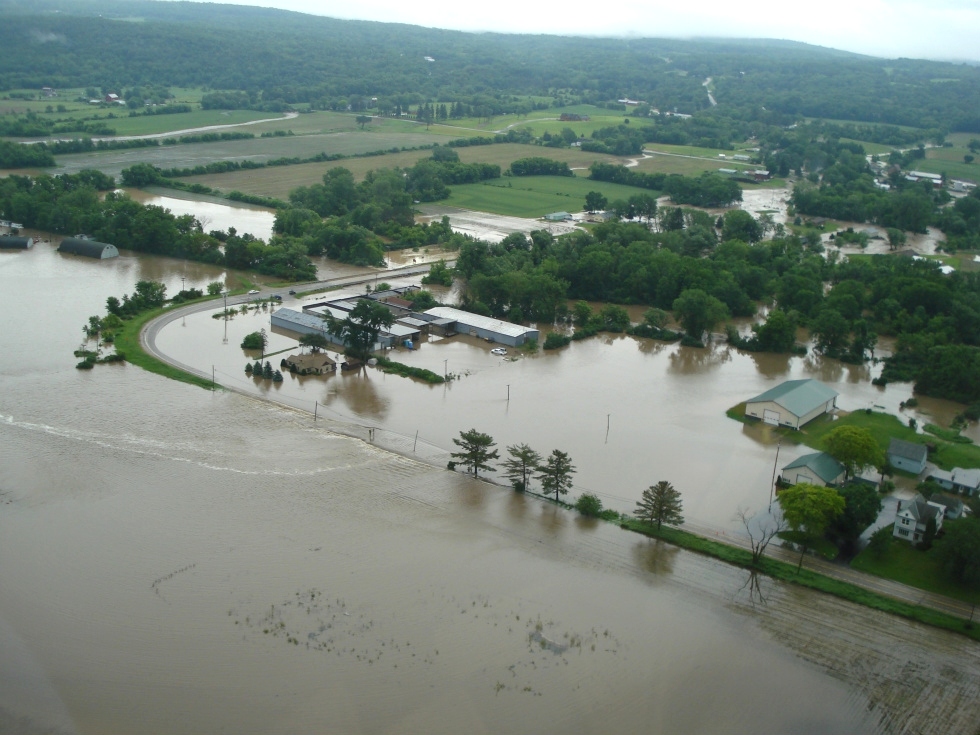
[[793, 403], [818, 468]]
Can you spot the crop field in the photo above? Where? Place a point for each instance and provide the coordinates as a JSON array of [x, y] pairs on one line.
[[156, 124], [681, 164], [954, 169], [278, 181], [534, 196]]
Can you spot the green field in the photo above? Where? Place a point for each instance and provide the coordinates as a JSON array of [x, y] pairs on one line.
[[278, 181], [535, 196], [903, 563], [681, 164]]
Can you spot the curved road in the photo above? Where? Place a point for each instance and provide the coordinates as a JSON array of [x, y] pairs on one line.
[[886, 587]]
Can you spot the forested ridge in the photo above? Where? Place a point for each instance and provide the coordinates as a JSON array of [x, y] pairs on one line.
[[281, 58]]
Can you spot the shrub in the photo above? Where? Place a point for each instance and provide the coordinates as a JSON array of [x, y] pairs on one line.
[[588, 504], [555, 340]]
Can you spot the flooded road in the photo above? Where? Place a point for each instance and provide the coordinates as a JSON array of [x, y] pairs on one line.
[[174, 560]]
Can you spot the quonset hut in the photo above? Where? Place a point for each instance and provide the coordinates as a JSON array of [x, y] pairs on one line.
[[16, 243], [88, 248]]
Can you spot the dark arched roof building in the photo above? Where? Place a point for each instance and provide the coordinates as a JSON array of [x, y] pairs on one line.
[[88, 248], [16, 243]]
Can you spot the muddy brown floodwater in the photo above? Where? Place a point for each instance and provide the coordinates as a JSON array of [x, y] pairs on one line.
[[175, 560]]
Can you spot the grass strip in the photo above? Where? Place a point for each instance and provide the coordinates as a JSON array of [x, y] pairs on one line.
[[398, 368], [128, 343], [806, 578]]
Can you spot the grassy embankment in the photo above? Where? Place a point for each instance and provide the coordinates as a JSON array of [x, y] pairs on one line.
[[806, 578], [128, 343]]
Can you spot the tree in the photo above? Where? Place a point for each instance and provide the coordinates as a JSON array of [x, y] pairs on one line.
[[594, 201], [855, 448], [861, 507], [315, 342], [737, 224], [698, 312], [761, 531], [968, 158], [215, 288], [660, 504], [959, 552], [556, 473], [523, 461], [476, 450], [362, 120], [256, 341], [809, 509], [359, 330]]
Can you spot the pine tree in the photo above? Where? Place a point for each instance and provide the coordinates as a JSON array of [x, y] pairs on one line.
[[660, 503]]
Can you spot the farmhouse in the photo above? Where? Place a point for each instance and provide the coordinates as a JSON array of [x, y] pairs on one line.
[[914, 515], [792, 403], [907, 456], [316, 363], [964, 482], [818, 468], [88, 248]]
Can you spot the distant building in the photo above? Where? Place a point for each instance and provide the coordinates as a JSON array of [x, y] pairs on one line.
[[558, 217], [818, 468], [793, 403], [741, 157], [88, 248], [484, 327], [913, 516], [908, 456]]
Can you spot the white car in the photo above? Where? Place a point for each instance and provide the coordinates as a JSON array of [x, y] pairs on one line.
[[253, 291], [498, 351]]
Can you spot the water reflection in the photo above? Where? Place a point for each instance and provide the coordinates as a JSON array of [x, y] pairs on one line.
[[692, 360], [754, 590], [657, 557], [770, 365]]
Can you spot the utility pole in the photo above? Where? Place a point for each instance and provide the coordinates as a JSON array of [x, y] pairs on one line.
[[772, 486]]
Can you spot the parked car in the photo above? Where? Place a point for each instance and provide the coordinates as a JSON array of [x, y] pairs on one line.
[[253, 291], [292, 292], [276, 297], [498, 351]]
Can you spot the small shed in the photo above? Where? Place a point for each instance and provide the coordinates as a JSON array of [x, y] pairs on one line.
[[16, 243], [88, 248], [315, 363], [907, 456], [558, 217], [352, 363], [818, 468]]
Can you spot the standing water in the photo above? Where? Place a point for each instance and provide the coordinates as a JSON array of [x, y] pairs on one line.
[[176, 560]]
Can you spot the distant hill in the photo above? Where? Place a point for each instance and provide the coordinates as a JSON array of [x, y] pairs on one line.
[[284, 57]]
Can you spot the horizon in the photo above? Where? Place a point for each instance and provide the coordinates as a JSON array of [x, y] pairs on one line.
[[936, 30]]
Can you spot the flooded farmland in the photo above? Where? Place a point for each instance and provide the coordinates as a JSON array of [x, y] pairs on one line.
[[175, 560]]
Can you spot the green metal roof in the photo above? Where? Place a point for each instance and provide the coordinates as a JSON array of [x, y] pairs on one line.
[[823, 465], [798, 396]]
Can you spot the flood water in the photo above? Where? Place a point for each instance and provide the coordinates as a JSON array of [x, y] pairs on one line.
[[175, 560]]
